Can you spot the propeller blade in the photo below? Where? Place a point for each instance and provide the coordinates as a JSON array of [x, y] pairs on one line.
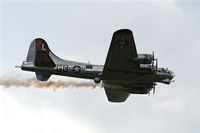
[[156, 63], [154, 89], [153, 55], [152, 63]]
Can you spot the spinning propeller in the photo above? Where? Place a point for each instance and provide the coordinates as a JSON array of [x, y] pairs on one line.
[[154, 69], [154, 60]]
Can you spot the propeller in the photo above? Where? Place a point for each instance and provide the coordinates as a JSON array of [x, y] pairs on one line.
[[154, 69], [154, 89], [152, 62], [156, 64], [153, 55]]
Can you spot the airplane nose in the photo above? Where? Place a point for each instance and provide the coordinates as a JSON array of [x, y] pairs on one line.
[[172, 75]]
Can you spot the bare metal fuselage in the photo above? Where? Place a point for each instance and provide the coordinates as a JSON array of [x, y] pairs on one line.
[[143, 77]]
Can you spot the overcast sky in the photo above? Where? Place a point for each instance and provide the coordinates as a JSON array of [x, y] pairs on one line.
[[82, 31]]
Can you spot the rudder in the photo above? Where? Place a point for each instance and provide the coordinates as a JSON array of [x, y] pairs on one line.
[[39, 55]]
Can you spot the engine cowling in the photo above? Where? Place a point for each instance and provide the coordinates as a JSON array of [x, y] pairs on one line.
[[144, 58]]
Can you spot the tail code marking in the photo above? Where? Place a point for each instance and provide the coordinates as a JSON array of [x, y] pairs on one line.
[[43, 48]]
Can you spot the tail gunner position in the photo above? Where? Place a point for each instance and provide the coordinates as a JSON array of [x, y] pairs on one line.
[[125, 71]]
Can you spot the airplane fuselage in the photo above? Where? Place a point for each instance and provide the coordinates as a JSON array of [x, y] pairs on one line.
[[125, 71], [90, 71]]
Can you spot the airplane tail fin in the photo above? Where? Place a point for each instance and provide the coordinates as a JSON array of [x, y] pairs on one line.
[[40, 54]]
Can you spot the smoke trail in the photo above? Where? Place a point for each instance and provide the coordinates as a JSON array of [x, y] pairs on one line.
[[8, 82]]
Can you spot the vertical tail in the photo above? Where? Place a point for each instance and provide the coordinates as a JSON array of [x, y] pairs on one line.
[[39, 54]]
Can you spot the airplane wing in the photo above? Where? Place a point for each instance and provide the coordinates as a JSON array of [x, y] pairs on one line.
[[121, 55], [116, 95], [120, 59]]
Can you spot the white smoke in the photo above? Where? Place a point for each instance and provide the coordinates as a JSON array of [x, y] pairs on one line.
[[17, 81]]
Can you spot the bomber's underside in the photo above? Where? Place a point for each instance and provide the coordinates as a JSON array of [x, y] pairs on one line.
[[130, 87]]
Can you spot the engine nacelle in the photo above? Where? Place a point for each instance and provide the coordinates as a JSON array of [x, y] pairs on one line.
[[144, 58], [97, 80]]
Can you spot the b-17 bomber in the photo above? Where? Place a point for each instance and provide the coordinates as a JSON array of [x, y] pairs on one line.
[[125, 71]]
